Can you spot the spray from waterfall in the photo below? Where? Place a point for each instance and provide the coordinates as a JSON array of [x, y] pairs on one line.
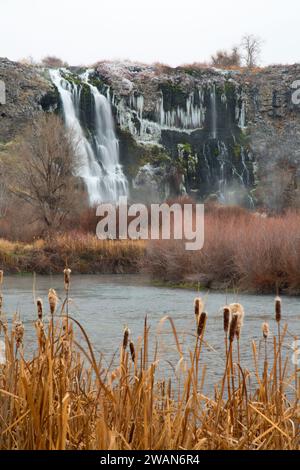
[[99, 155]]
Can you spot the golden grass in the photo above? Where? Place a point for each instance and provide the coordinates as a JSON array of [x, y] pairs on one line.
[[85, 252], [63, 397]]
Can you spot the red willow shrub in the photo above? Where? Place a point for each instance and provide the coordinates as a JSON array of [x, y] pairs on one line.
[[241, 249]]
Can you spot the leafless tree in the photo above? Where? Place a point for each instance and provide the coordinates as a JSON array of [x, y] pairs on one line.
[[54, 62], [227, 59], [42, 168], [251, 46]]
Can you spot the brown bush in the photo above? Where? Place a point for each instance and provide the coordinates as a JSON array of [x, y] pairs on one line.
[[245, 250]]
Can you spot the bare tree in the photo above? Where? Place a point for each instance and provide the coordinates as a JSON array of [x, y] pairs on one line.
[[227, 59], [42, 168], [54, 62], [251, 46]]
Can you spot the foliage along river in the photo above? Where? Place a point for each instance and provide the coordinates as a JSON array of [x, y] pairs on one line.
[[105, 304]]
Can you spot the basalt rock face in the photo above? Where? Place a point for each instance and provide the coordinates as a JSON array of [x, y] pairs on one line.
[[181, 131], [27, 92], [205, 129]]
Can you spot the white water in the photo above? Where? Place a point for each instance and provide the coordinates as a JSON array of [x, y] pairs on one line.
[[213, 99], [99, 160], [192, 117]]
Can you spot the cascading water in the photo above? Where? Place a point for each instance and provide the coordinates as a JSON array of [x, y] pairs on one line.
[[99, 160], [213, 101]]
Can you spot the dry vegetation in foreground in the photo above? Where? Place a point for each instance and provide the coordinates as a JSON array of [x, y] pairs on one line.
[[63, 397], [84, 252], [241, 250]]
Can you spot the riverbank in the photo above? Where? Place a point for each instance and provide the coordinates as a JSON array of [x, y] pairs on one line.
[[85, 253], [243, 251]]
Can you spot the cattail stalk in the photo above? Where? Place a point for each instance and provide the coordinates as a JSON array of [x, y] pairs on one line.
[[228, 367], [67, 282], [52, 298], [278, 317], [226, 326], [200, 334], [265, 331]]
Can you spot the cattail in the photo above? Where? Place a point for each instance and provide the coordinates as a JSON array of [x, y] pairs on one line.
[[1, 302], [126, 337], [201, 323], [19, 333], [52, 297], [239, 325], [232, 330], [1, 277], [198, 304], [265, 330], [238, 311], [132, 350], [67, 278], [39, 304], [278, 309], [227, 318]]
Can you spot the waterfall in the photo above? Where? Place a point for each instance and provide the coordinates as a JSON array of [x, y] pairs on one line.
[[242, 117], [213, 100], [99, 159], [189, 118]]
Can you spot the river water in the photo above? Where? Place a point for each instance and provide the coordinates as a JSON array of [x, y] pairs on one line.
[[105, 304]]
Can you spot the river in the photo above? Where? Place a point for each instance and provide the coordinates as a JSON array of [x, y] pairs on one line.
[[105, 304]]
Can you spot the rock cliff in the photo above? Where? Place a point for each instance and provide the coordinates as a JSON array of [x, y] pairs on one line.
[[187, 130]]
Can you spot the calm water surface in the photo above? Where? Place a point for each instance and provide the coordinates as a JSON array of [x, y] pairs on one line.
[[105, 304]]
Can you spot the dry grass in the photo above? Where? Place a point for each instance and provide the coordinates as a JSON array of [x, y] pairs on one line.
[[63, 397], [85, 252]]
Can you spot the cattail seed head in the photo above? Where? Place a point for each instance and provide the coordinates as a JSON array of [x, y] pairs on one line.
[[238, 311], [265, 330], [198, 305], [1, 302], [52, 298], [226, 318], [126, 337], [67, 278], [18, 332], [132, 350], [278, 309], [232, 330], [39, 304], [239, 325], [201, 324], [1, 277]]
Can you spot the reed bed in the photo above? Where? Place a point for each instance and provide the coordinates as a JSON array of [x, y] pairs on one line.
[[63, 397]]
